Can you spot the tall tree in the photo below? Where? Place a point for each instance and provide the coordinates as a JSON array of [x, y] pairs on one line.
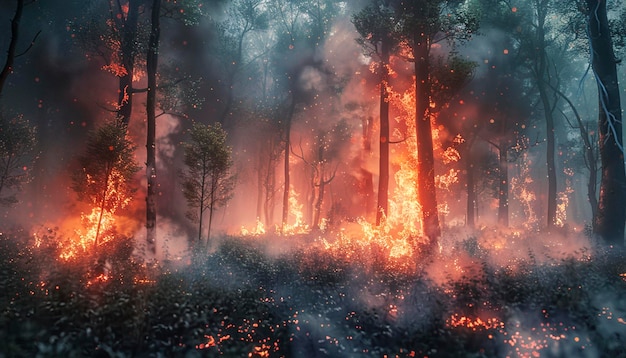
[[111, 31], [151, 174], [542, 46], [207, 181], [106, 170], [126, 19], [506, 112], [611, 213], [536, 46], [303, 27], [427, 23], [287, 16], [589, 149], [377, 26]]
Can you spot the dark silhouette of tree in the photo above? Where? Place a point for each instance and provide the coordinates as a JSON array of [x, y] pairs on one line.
[[17, 154], [207, 182], [244, 17], [611, 213], [536, 46], [12, 49], [323, 160], [126, 21], [287, 60], [590, 151], [113, 32], [540, 47], [106, 169], [303, 27], [151, 104], [505, 112], [15, 30]]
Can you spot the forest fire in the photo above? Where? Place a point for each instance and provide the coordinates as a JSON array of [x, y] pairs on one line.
[[272, 178], [259, 229], [92, 224]]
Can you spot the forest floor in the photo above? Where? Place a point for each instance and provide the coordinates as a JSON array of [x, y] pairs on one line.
[[262, 297]]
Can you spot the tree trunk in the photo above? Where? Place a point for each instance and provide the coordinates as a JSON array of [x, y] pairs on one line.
[[471, 187], [543, 79], [15, 30], [270, 185], [151, 67], [102, 204], [366, 184], [589, 155], [611, 213], [503, 191], [592, 184], [311, 197], [550, 152], [128, 48], [318, 204], [214, 188], [383, 163], [289, 118], [425, 158], [202, 200], [259, 184]]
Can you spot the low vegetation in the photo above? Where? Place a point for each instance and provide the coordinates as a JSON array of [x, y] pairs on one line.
[[243, 300]]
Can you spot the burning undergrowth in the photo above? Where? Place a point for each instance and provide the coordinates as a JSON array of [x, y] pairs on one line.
[[284, 296]]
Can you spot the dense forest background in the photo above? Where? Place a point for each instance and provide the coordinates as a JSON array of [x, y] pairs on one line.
[[312, 178], [263, 69]]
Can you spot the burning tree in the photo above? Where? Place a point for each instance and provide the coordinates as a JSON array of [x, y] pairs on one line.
[[17, 149], [208, 182], [425, 24], [378, 29], [304, 27], [107, 167]]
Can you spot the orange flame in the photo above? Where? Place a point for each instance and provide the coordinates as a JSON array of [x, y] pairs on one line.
[[258, 230], [83, 233], [295, 211]]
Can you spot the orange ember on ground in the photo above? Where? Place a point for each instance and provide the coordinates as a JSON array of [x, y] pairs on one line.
[[476, 323]]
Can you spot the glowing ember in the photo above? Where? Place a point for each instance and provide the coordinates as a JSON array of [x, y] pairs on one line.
[[101, 278], [476, 323], [212, 342], [260, 351]]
